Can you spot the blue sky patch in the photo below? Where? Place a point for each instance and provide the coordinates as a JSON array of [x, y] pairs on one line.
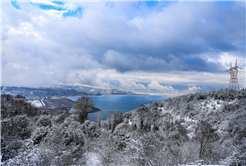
[[73, 13], [67, 13], [48, 7], [58, 2], [151, 3], [15, 4]]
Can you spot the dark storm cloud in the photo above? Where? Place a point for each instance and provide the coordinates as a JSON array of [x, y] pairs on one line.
[[199, 64], [182, 29], [124, 62]]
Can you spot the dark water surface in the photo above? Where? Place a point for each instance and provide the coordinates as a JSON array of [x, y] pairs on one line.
[[119, 102]]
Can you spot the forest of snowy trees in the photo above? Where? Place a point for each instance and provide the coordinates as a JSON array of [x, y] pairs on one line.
[[201, 127]]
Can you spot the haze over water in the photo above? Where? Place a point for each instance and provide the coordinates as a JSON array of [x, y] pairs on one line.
[[120, 102]]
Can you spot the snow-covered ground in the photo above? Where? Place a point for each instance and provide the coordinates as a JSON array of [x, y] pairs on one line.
[[92, 159], [36, 103], [42, 101], [1, 163], [209, 105]]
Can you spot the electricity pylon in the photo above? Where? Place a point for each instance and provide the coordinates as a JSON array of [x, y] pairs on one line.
[[233, 77]]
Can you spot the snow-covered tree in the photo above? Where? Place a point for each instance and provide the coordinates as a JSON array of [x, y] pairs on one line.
[[83, 106], [205, 135], [99, 117]]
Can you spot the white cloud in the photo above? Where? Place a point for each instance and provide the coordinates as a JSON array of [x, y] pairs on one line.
[[131, 85], [154, 85], [108, 43], [226, 58], [194, 88]]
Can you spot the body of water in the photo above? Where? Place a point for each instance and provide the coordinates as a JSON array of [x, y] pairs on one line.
[[119, 102]]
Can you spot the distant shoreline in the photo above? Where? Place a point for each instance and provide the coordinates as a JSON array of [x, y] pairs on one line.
[[57, 104], [62, 103]]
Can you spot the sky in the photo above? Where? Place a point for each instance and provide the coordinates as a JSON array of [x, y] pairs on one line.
[[159, 47]]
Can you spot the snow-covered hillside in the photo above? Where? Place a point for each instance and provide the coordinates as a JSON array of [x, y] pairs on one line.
[[201, 128], [224, 111]]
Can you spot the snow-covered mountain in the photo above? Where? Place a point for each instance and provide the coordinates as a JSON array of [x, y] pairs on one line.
[[58, 91]]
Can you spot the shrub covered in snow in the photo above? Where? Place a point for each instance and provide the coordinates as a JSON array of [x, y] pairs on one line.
[[9, 147], [23, 126], [66, 137], [16, 106], [39, 133], [90, 129], [44, 120], [36, 156], [121, 135], [60, 118]]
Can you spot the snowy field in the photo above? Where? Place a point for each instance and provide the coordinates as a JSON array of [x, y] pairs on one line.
[[36, 103]]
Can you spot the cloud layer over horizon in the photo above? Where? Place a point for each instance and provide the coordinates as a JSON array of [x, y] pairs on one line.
[[144, 46]]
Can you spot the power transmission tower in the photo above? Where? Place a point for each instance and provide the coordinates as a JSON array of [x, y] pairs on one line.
[[233, 77]]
